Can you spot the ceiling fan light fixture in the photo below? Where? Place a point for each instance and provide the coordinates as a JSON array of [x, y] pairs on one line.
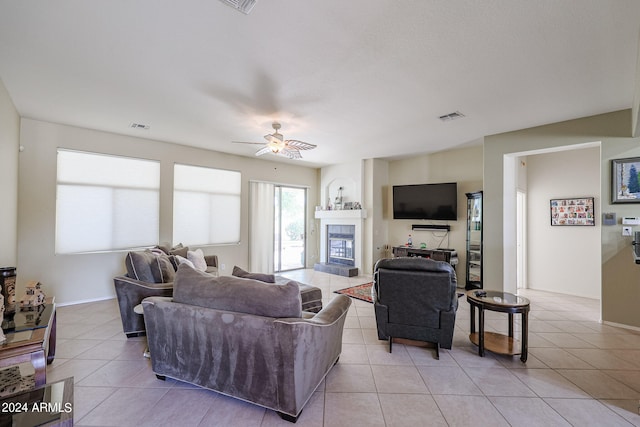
[[274, 138], [276, 144]]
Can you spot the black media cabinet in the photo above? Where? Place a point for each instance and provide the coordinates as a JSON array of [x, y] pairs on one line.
[[440, 254]]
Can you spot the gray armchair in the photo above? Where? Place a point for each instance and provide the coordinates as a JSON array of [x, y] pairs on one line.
[[147, 275], [244, 338], [415, 298]]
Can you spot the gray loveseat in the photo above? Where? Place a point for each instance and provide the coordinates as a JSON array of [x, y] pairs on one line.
[[415, 298], [244, 338]]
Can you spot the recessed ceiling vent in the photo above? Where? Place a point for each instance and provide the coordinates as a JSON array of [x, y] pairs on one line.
[[243, 6], [139, 126], [452, 116]]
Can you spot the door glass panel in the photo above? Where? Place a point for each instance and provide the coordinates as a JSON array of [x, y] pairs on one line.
[[290, 219]]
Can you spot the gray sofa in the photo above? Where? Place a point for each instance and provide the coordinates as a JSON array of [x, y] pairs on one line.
[[244, 338], [415, 298], [148, 274]]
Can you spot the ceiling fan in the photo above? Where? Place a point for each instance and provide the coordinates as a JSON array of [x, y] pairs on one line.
[[276, 144]]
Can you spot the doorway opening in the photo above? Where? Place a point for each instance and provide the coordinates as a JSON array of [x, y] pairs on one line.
[[521, 236]]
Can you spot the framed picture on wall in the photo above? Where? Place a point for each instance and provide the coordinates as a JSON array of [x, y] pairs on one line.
[[625, 182], [578, 211]]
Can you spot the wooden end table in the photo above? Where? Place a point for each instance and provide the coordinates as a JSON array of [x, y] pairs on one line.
[[503, 302], [31, 337]]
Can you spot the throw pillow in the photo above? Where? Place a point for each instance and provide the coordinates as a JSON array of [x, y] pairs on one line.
[[236, 294], [179, 250], [174, 262], [263, 277], [165, 247], [139, 265], [157, 251], [162, 269], [197, 258], [182, 260]]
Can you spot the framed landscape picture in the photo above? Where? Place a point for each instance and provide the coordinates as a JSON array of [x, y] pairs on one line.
[[625, 185], [578, 211]]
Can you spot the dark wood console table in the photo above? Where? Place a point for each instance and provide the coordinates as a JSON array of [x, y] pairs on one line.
[[446, 255]]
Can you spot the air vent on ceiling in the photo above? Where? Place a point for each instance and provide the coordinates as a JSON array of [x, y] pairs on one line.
[[243, 6], [139, 126], [452, 116]]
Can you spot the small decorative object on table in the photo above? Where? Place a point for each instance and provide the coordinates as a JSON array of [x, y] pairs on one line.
[[8, 281], [33, 295]]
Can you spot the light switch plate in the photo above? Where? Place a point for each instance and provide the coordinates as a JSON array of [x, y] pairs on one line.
[[626, 231]]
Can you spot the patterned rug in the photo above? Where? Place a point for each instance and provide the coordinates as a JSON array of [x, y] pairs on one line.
[[361, 292]]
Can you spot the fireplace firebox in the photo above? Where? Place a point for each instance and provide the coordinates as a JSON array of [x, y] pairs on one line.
[[341, 244]]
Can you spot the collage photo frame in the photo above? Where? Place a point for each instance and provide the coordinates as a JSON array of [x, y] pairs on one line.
[[573, 211]]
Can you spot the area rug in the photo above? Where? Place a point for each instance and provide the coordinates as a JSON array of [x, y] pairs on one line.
[[361, 292]]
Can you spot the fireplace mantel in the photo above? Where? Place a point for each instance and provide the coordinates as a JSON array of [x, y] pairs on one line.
[[342, 214]]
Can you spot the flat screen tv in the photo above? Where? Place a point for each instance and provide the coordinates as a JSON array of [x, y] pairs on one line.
[[426, 201]]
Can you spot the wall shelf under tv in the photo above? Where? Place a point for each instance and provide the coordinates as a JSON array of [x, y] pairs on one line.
[[430, 227]]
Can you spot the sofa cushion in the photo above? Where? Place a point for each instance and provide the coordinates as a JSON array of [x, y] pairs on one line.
[[138, 265], [197, 258], [231, 293], [263, 277]]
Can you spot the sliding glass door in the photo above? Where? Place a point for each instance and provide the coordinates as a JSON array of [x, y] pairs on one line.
[[289, 228]]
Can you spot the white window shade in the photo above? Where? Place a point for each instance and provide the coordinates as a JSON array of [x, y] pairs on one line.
[[105, 202], [206, 205]]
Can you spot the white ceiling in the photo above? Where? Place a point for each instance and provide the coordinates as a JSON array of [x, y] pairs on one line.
[[359, 78]]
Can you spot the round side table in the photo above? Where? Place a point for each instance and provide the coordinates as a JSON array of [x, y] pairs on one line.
[[138, 310], [503, 302]]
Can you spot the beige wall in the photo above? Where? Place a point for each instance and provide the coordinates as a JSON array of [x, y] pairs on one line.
[[620, 276], [463, 166], [376, 225], [9, 143], [85, 277], [563, 259]]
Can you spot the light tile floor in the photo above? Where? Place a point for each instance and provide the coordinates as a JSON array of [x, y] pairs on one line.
[[579, 373]]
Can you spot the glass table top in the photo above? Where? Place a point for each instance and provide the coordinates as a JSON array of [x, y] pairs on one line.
[[27, 319], [498, 298]]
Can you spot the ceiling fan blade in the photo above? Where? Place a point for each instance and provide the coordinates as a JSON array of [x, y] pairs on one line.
[[245, 142], [299, 145], [291, 153], [264, 150]]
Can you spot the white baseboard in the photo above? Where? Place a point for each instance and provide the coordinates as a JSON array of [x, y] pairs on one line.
[[620, 325]]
